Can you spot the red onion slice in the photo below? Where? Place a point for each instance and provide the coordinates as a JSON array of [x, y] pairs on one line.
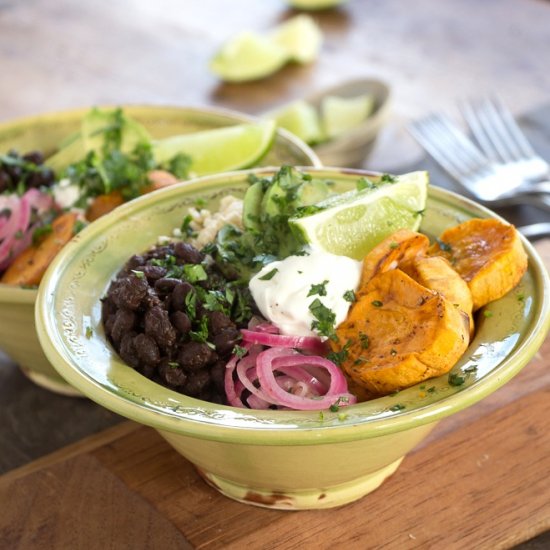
[[310, 343], [269, 360]]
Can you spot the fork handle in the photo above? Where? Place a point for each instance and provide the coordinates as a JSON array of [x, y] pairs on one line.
[[536, 188]]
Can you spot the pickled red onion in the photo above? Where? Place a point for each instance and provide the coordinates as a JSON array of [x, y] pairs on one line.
[[251, 380], [17, 227], [310, 343]]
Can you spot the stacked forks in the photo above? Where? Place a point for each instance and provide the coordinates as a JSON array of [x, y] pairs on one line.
[[502, 169]]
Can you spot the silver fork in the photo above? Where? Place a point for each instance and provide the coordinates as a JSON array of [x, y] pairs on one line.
[[501, 139], [495, 183]]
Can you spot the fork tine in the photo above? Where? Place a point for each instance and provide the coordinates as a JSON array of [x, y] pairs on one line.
[[448, 146], [491, 131], [422, 132], [514, 130]]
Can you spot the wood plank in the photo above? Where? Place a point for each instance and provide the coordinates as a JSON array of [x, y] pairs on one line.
[[78, 503], [455, 493], [479, 486]]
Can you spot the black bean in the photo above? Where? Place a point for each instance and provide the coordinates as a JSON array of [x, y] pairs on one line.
[[217, 374], [128, 292], [166, 284], [158, 326], [226, 340], [181, 322], [172, 374], [134, 262], [127, 351], [188, 253], [124, 321], [36, 157], [147, 349], [195, 355], [154, 272], [177, 298], [196, 382], [218, 321]]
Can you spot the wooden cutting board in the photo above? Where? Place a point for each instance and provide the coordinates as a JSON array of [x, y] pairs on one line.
[[479, 481]]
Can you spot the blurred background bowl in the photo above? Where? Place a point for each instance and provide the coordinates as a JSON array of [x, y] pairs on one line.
[[278, 459], [352, 148], [44, 133]]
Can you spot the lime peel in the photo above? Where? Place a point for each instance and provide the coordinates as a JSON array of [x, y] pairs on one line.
[[352, 224], [220, 149]]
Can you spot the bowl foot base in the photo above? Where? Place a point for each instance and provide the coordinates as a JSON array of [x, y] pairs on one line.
[[305, 499], [56, 386]]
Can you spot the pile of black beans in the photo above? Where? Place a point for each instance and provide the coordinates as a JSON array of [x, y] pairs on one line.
[[162, 326], [26, 170]]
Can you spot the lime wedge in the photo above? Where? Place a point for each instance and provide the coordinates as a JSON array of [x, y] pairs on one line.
[[300, 37], [352, 224], [248, 56], [300, 118], [341, 114], [221, 149]]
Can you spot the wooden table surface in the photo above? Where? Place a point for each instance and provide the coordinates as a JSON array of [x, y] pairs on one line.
[[58, 54]]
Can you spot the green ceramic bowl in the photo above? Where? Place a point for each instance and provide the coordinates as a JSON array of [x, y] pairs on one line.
[[17, 333], [280, 459]]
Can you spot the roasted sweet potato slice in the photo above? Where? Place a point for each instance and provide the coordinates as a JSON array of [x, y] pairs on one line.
[[436, 273], [103, 204], [487, 254], [29, 267], [397, 250], [159, 179], [399, 333]]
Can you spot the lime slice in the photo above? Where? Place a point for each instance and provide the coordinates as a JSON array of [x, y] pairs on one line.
[[314, 4], [300, 118], [352, 224], [220, 150], [248, 56], [341, 114], [300, 37]]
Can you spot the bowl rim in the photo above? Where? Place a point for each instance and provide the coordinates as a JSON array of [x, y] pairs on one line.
[[10, 294], [274, 433]]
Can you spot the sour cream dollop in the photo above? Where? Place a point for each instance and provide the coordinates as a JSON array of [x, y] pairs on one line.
[[281, 289]]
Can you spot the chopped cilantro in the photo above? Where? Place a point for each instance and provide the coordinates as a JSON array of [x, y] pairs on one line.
[[194, 273], [446, 247], [173, 364], [40, 233], [324, 318], [319, 289], [397, 407], [186, 226], [377, 303], [455, 379], [79, 225], [338, 357], [269, 275], [239, 351], [388, 178], [138, 274], [89, 332], [487, 313], [365, 183], [349, 296], [364, 339]]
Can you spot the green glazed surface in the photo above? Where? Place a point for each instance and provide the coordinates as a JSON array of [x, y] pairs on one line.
[[69, 328], [18, 336]]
